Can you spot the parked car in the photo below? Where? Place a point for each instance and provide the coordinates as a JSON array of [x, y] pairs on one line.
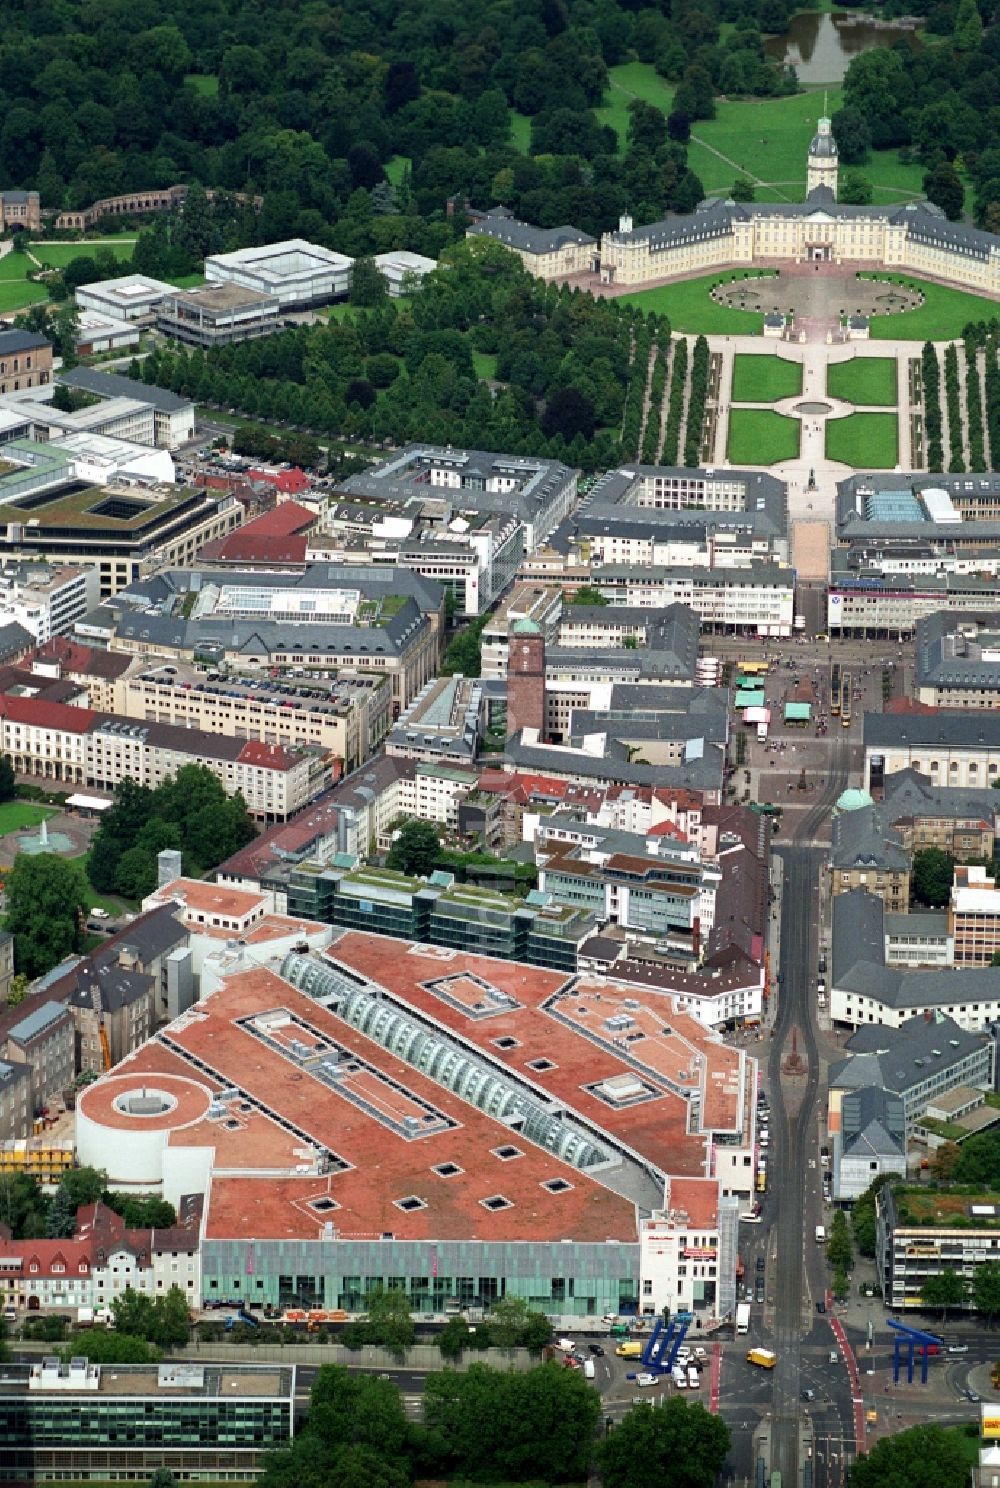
[[646, 1381]]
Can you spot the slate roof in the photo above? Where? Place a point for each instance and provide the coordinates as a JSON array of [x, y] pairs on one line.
[[15, 341], [858, 963], [873, 1123], [945, 659], [955, 728], [513, 233], [899, 1059], [865, 839], [909, 793], [113, 385]]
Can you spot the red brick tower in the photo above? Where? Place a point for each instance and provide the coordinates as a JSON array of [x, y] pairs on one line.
[[525, 677]]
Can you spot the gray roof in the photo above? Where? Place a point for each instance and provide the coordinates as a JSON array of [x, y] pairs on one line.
[[671, 635], [113, 385], [909, 793], [614, 499], [515, 234], [36, 1022], [10, 1074], [704, 772], [858, 963], [864, 839], [899, 1059], [949, 651], [873, 1123], [947, 727], [14, 341], [929, 924], [14, 639]]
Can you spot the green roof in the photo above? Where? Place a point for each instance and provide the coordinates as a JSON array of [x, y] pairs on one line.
[[751, 699], [525, 626], [798, 712]]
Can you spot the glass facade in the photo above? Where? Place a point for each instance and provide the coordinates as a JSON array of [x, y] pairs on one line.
[[579, 1278], [52, 1435]]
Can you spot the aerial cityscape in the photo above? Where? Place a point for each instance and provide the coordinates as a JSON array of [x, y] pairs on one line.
[[500, 745]]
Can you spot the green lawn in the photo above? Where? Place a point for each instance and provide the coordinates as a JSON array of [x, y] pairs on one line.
[[692, 309], [764, 379], [867, 441], [942, 317], [14, 266], [520, 131], [19, 294], [633, 80], [205, 83], [758, 436], [396, 169], [58, 255], [864, 380], [485, 365], [18, 816]]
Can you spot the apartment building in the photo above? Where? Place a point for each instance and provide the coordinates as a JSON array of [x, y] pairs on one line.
[[346, 718], [17, 1108], [43, 1040], [57, 741]]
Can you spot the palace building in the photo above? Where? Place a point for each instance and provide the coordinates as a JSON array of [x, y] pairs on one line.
[[720, 233]]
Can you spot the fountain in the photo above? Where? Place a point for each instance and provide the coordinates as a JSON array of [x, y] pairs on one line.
[[44, 841]]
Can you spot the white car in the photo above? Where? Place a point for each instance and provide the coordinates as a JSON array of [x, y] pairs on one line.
[[958, 1348], [100, 914], [645, 1381]]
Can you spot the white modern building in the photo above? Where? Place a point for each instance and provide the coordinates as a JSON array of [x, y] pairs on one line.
[[403, 272], [96, 332], [295, 273], [46, 600], [134, 297]]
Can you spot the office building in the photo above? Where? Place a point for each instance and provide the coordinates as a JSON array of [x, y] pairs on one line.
[[120, 1422], [919, 1238], [217, 315], [45, 599]]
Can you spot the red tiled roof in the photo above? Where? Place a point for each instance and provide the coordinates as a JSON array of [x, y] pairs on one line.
[[273, 756], [282, 520], [47, 715], [242, 546], [86, 660], [289, 481]]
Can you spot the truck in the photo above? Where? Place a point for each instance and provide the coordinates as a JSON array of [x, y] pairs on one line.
[[629, 1350], [820, 1234], [742, 1317], [763, 1357]]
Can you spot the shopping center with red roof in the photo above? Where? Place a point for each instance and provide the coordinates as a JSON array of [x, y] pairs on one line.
[[465, 1128]]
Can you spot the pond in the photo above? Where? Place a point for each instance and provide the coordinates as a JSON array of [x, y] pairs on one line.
[[820, 47]]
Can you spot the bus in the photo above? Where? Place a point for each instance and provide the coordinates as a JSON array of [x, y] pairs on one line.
[[835, 688], [845, 702], [755, 668]]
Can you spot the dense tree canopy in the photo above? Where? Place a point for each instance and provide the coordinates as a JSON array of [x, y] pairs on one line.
[[562, 365], [189, 811], [46, 896], [923, 1457], [680, 1444]]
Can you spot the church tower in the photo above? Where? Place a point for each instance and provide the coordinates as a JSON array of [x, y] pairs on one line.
[[822, 167]]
